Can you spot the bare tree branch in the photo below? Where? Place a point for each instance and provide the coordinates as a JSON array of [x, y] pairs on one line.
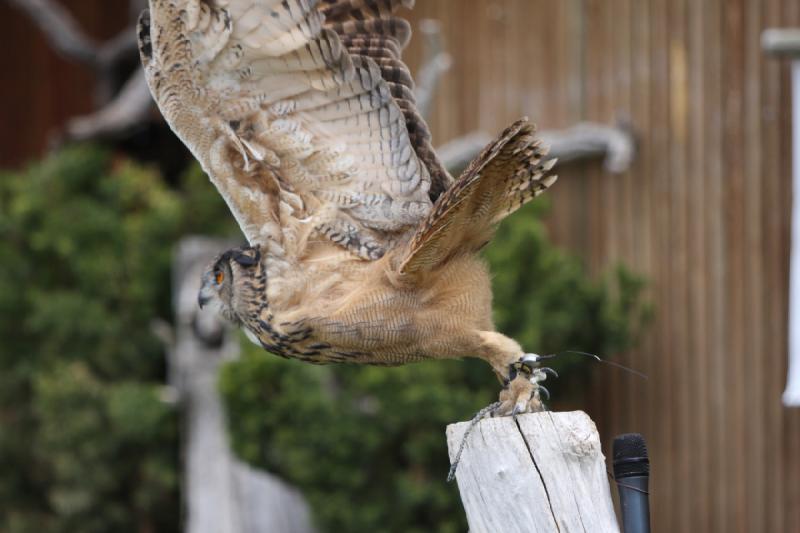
[[123, 46], [435, 63], [66, 37], [132, 105], [589, 140], [457, 153], [583, 141], [61, 29], [120, 112], [130, 108]]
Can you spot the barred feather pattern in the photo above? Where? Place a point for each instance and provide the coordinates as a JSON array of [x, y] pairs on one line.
[[509, 173], [302, 114]]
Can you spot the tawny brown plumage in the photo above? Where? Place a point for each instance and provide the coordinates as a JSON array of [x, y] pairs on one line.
[[363, 247]]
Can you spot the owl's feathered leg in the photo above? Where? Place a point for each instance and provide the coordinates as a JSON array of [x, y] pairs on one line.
[[519, 372], [523, 391]]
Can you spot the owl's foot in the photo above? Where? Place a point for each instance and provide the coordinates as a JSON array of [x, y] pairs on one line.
[[523, 391]]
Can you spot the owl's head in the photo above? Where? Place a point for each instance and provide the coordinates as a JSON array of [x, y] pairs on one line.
[[226, 280]]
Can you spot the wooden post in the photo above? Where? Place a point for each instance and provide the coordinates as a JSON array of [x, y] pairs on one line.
[[544, 472], [785, 42]]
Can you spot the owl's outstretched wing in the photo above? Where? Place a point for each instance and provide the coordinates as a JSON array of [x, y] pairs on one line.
[[509, 172], [302, 114]]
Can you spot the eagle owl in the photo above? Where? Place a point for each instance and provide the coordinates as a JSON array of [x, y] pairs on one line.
[[362, 248]]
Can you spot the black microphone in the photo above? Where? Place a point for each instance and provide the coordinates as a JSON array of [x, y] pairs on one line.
[[632, 473]]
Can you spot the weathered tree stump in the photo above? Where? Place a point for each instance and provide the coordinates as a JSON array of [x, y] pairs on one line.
[[223, 494], [543, 472]]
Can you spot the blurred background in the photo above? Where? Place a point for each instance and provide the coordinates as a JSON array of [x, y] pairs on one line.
[[676, 265]]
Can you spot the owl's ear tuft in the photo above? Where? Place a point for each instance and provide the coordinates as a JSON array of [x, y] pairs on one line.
[[247, 256]]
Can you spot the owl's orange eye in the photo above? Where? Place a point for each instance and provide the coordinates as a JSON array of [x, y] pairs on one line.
[[219, 277]]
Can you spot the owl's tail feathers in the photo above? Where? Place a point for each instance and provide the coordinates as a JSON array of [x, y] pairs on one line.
[[507, 174], [520, 172]]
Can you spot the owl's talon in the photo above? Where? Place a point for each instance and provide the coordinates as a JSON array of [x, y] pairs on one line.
[[522, 391], [543, 389], [548, 370], [519, 396]]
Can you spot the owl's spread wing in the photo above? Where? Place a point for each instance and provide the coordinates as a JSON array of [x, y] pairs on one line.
[[302, 114], [509, 172]]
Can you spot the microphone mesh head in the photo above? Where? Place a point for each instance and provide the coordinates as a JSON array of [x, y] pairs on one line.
[[630, 456]]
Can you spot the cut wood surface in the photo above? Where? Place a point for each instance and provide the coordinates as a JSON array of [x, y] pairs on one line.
[[543, 472]]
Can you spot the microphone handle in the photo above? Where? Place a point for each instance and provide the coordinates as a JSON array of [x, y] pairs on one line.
[[634, 504]]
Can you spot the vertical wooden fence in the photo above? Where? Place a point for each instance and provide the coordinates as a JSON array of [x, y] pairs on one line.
[[704, 213]]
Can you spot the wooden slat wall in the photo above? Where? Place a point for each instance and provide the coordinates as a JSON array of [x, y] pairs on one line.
[[39, 90], [704, 212]]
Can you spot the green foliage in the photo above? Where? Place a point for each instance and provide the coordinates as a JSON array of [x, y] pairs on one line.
[[545, 300], [85, 249], [366, 445]]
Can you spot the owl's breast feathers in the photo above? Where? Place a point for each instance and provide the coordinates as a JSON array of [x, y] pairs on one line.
[[366, 316], [267, 326]]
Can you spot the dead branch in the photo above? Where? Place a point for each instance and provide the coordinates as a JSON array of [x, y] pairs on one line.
[[69, 40], [589, 140], [130, 108], [60, 29], [457, 153], [123, 46], [583, 141], [121, 110]]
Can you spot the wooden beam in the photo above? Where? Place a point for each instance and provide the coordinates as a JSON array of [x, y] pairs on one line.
[[587, 140], [784, 41], [542, 472]]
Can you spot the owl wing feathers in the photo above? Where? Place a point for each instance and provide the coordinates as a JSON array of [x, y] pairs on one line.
[[301, 112], [506, 175]]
